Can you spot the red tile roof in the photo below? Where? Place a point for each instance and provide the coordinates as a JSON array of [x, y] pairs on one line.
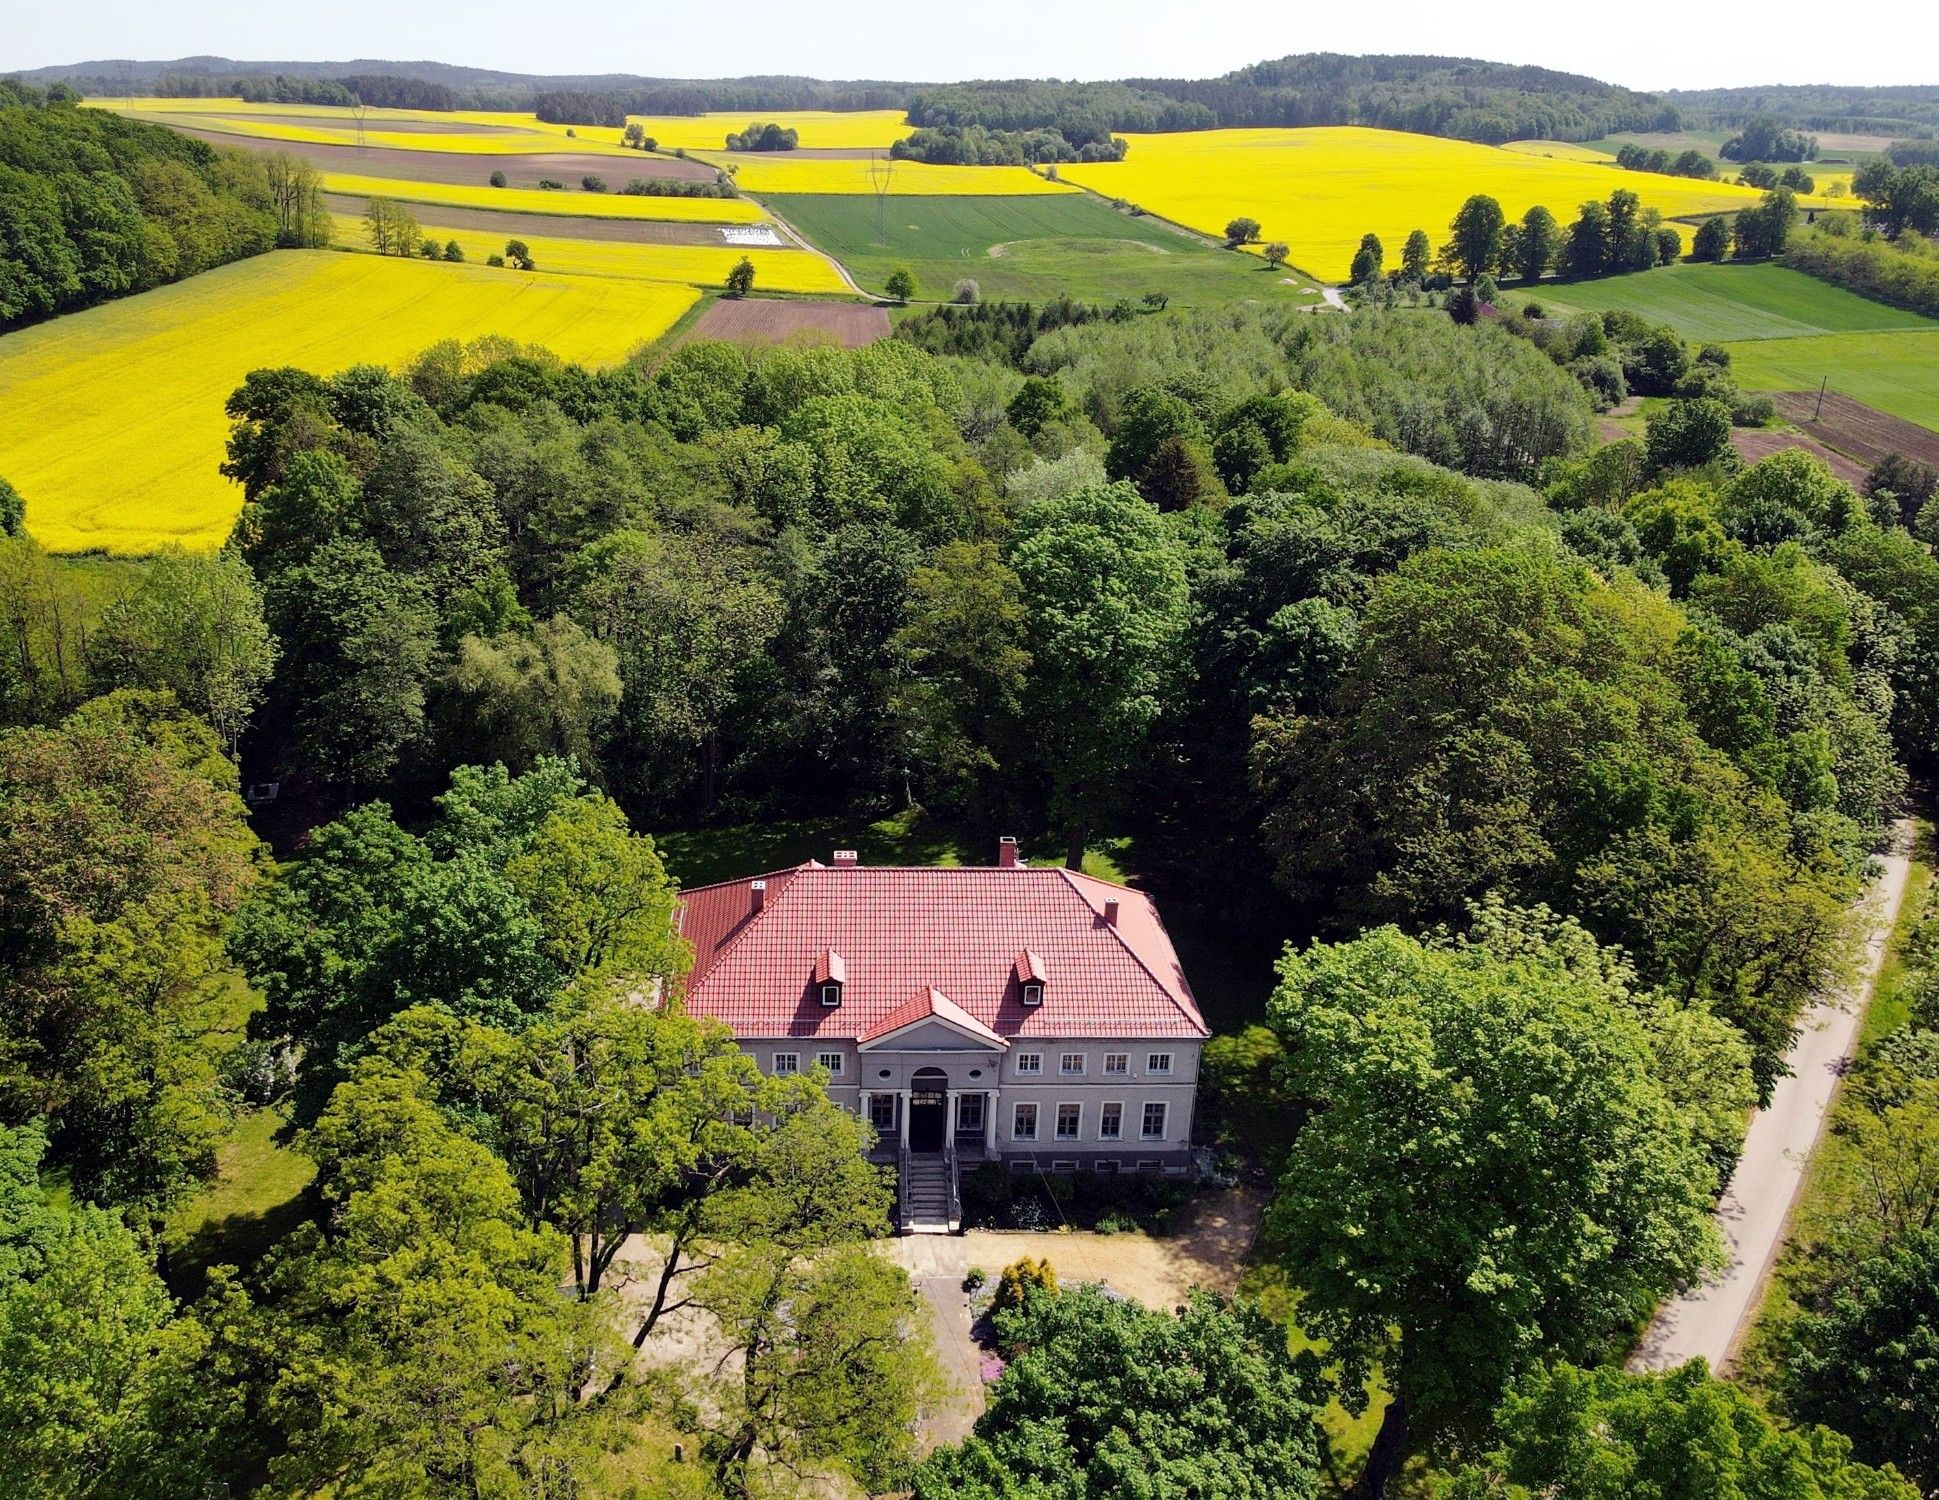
[[966, 932], [930, 1004]]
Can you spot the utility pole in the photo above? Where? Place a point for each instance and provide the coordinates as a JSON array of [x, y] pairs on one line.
[[879, 174], [1819, 411]]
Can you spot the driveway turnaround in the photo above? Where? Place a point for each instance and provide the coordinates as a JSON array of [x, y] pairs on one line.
[[1708, 1320]]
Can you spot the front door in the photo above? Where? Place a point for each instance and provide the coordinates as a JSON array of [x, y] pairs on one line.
[[928, 1109]]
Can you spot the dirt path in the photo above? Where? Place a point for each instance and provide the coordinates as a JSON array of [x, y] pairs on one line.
[[1710, 1319], [1209, 1250]]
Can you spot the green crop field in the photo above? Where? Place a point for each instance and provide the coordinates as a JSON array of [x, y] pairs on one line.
[[1896, 372], [1730, 302], [1036, 247]]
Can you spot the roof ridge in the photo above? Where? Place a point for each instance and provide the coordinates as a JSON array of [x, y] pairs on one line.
[[1190, 1013]]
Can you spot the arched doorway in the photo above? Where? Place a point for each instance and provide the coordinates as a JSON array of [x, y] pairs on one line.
[[928, 1109]]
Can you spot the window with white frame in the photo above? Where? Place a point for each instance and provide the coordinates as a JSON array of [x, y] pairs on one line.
[[1110, 1122], [1070, 1121], [1030, 1062], [1154, 1124], [1158, 1062], [1023, 1123], [1071, 1065], [786, 1063], [832, 1061], [1116, 1064]]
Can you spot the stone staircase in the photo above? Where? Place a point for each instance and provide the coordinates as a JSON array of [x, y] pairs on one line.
[[926, 1195]]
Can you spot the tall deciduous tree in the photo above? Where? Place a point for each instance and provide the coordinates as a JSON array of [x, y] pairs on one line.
[[1492, 1171], [1475, 246], [1108, 607], [1604, 1435]]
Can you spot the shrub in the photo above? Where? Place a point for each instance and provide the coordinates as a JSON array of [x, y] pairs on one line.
[[551, 185], [453, 251], [1019, 1279], [593, 184], [519, 254], [428, 248], [498, 179], [967, 292], [494, 260], [975, 1279]]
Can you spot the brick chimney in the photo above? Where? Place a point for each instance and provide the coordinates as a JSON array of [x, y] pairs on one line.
[[1006, 853], [1111, 910], [846, 859], [757, 893]]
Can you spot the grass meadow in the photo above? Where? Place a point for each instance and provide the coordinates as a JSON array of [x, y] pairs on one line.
[[1726, 302], [1895, 372], [1320, 189], [1036, 248], [114, 423]]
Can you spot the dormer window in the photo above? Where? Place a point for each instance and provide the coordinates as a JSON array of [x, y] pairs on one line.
[[1031, 975], [830, 975]]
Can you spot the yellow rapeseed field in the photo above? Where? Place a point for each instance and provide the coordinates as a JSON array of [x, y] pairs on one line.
[[1560, 150], [114, 424], [540, 202], [819, 129], [783, 172], [775, 270], [1318, 190]]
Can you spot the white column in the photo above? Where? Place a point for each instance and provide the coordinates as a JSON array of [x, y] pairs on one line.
[[989, 1121], [902, 1110], [949, 1116]]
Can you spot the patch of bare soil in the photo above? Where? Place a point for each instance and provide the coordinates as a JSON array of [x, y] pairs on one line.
[[558, 226], [1861, 432], [750, 321], [1753, 443], [468, 167]]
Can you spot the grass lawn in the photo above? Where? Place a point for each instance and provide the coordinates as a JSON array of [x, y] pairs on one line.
[[1895, 372], [1724, 302], [1834, 1162], [1348, 1437], [256, 1197], [1033, 247]]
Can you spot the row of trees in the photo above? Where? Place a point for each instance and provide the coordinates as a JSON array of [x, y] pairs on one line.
[[975, 145], [1692, 163]]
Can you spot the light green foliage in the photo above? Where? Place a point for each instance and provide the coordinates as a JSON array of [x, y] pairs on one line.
[[1494, 1169], [124, 849], [194, 625], [1103, 1396], [522, 694], [601, 895], [1604, 1435]]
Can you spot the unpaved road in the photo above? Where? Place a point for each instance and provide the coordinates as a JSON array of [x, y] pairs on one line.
[[1710, 1319]]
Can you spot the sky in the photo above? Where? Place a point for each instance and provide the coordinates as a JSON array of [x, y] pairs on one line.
[[1645, 44]]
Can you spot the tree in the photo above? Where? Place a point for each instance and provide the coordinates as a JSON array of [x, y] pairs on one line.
[[13, 510], [1711, 240], [194, 625], [1241, 231], [1367, 260], [420, 1345], [1868, 1361], [1765, 231], [1101, 1396], [1909, 481], [1415, 255], [740, 280], [525, 693], [97, 1388], [1539, 245], [454, 252], [1039, 401], [834, 1356], [1474, 1190], [1149, 417], [1687, 434], [1475, 246], [1276, 254], [124, 849], [1586, 250], [302, 217], [519, 256], [1898, 199], [634, 135], [390, 228], [1605, 1435], [1104, 632], [901, 285]]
